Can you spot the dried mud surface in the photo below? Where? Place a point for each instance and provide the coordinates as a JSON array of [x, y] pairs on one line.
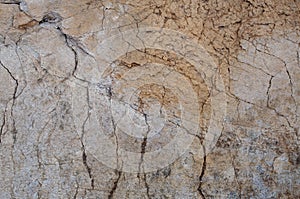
[[45, 136]]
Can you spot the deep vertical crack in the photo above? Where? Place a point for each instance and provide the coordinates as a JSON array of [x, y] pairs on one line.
[[146, 185], [76, 190], [268, 91], [115, 185], [70, 42], [298, 59], [3, 123], [89, 170], [144, 143], [118, 170], [143, 150], [202, 173], [14, 130], [109, 93], [290, 84], [84, 156], [70, 46]]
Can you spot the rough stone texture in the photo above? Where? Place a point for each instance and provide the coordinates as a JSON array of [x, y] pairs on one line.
[[47, 47]]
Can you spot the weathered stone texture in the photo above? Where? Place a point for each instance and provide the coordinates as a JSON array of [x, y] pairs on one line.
[[54, 83]]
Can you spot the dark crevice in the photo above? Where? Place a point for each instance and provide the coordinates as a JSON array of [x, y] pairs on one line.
[[143, 150], [14, 130], [110, 97], [146, 185], [69, 41], [11, 2], [73, 42], [298, 58], [16, 81], [51, 17], [290, 84], [76, 191], [202, 174], [143, 145], [259, 106], [89, 170], [84, 155], [3, 124], [268, 90], [115, 185]]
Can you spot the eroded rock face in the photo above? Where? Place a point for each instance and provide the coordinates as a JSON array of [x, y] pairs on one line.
[[149, 99]]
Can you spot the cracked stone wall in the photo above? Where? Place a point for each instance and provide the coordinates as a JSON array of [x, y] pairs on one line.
[[149, 99]]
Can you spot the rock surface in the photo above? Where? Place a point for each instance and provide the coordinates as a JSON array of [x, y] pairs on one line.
[[149, 99]]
